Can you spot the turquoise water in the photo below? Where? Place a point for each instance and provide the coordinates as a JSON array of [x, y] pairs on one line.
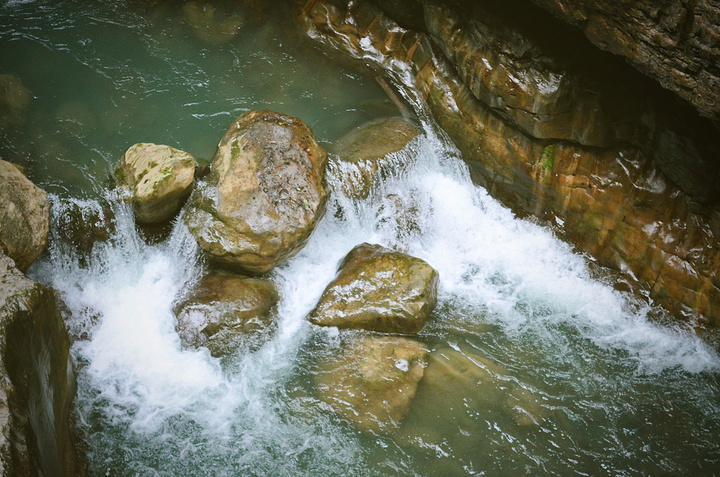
[[537, 365], [105, 75]]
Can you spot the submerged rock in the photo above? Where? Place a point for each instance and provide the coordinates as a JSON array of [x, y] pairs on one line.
[[264, 195], [210, 23], [38, 384], [160, 179], [365, 152], [377, 289], [373, 381], [24, 216], [459, 394], [225, 311], [14, 101]]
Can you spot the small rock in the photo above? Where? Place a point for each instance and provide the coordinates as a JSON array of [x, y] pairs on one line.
[[225, 311], [377, 289], [264, 195], [365, 152], [24, 216], [160, 178], [373, 382]]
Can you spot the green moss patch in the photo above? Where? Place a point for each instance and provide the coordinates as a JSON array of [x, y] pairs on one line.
[[547, 159]]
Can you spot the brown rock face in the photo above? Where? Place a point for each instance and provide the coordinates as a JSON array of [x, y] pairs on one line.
[[675, 42], [264, 195], [377, 289], [365, 152], [225, 311], [373, 382], [37, 384], [615, 202], [24, 217], [160, 179]]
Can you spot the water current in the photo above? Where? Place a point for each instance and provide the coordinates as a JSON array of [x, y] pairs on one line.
[[538, 365]]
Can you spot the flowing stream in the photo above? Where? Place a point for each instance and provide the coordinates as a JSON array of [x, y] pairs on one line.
[[540, 366]]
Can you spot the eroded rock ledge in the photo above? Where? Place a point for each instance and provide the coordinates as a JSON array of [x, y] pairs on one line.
[[677, 42], [638, 194], [37, 381]]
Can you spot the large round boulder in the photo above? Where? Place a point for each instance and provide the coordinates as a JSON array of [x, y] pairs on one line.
[[159, 177], [264, 195], [225, 311], [24, 216], [373, 381], [378, 289], [368, 151]]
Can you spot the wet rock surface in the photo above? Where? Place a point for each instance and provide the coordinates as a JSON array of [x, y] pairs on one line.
[[377, 289], [373, 381], [226, 311], [37, 384], [648, 217], [368, 150], [24, 216], [159, 177], [264, 195], [674, 42]]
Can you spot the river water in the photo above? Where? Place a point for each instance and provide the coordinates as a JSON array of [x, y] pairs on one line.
[[538, 365]]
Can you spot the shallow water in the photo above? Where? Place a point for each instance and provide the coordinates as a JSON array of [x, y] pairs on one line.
[[537, 365]]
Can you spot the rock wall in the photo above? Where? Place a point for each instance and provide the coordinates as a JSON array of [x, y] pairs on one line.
[[634, 192], [676, 42], [37, 383]]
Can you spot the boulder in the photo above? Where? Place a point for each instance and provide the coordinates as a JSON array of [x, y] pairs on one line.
[[159, 177], [37, 384], [377, 289], [373, 381], [24, 216], [14, 101], [366, 152], [264, 195], [224, 311]]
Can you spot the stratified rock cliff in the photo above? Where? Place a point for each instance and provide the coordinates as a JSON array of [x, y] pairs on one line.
[[676, 42], [555, 128]]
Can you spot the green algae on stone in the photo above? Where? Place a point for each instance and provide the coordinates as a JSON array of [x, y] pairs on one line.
[[548, 157], [159, 178]]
